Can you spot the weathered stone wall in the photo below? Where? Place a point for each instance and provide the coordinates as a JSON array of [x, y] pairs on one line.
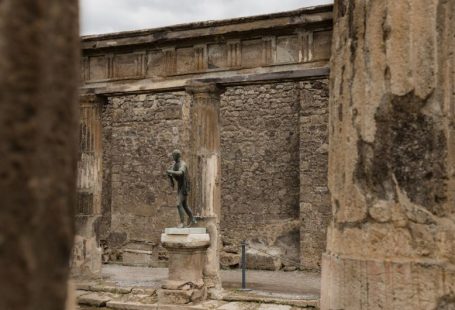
[[274, 158], [142, 131], [274, 163], [391, 243], [106, 193], [315, 211], [260, 164]]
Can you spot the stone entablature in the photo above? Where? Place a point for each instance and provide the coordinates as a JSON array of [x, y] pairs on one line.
[[282, 41]]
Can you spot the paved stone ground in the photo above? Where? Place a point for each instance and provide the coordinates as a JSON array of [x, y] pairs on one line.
[[273, 282], [270, 290]]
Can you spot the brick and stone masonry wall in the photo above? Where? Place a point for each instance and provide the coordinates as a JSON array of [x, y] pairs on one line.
[[264, 129], [315, 210], [106, 194], [140, 133], [260, 160], [274, 163]]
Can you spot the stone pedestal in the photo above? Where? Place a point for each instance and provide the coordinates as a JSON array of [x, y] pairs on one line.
[[187, 255]]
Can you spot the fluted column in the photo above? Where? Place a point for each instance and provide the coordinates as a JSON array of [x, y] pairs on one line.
[[205, 169], [391, 241], [87, 253]]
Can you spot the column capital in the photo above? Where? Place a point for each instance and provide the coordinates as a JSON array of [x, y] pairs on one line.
[[203, 88], [90, 99]]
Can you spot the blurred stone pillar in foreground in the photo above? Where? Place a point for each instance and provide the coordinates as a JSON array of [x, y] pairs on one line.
[[39, 79], [391, 243], [205, 171]]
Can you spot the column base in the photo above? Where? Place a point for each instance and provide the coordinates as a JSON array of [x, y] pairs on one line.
[[357, 283], [86, 256], [211, 271], [182, 292]]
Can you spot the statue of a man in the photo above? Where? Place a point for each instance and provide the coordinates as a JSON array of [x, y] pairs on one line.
[[179, 173]]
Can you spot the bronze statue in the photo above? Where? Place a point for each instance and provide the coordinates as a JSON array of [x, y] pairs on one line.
[[178, 172]]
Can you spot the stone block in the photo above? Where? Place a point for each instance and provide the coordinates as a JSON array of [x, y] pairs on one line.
[[123, 305], [185, 240], [155, 61], [274, 307], [93, 299], [290, 268], [217, 55], [181, 296], [137, 257], [229, 260], [251, 53], [264, 259], [185, 231], [185, 60], [126, 65], [98, 68], [321, 44], [182, 285], [235, 305], [287, 49], [110, 289]]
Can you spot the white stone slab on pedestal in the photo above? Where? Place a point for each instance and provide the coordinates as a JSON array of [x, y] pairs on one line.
[[185, 231]]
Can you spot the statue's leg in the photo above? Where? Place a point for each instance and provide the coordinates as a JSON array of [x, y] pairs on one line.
[[181, 210], [187, 210]]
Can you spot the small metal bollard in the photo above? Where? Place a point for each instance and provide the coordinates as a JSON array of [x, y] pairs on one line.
[[244, 267]]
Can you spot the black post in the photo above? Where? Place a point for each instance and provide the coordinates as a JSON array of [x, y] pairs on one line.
[[243, 265]]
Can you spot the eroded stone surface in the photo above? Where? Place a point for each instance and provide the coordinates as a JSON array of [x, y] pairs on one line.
[[187, 261], [267, 258], [229, 260], [390, 161]]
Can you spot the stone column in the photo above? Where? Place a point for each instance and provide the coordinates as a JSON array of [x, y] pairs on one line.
[[86, 252], [39, 78], [391, 242], [205, 169]]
